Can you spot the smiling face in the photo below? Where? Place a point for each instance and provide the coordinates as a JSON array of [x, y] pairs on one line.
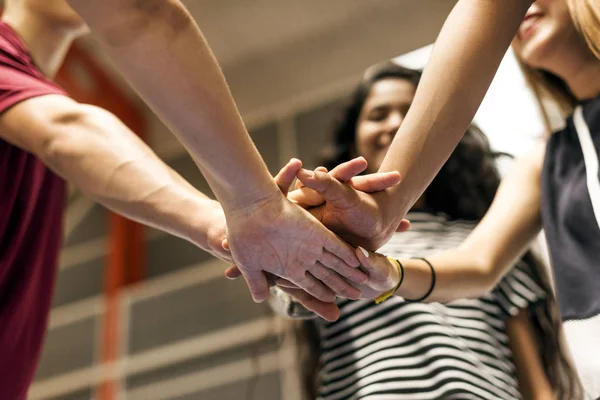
[[546, 33], [380, 118]]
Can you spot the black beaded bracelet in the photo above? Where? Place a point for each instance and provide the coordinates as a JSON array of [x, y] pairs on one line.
[[432, 282]]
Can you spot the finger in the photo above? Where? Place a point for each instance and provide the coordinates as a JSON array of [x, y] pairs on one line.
[[335, 282], [334, 263], [348, 169], [258, 285], [375, 182], [305, 197], [340, 249], [326, 310], [381, 270], [315, 287], [233, 272], [321, 169], [333, 191], [225, 244], [404, 226], [287, 174], [298, 185], [285, 283]]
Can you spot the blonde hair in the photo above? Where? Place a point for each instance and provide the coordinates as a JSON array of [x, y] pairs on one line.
[[586, 18], [548, 87]]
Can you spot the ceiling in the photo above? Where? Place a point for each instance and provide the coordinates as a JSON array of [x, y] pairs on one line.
[[237, 29]]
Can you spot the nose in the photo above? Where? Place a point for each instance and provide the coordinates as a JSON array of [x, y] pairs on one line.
[[394, 121], [392, 124]]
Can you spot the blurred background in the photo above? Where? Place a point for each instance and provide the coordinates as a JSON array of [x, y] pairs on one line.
[[141, 315]]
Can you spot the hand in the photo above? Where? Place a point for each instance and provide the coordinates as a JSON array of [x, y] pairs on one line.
[[308, 198], [280, 238], [216, 234], [355, 215], [383, 276]]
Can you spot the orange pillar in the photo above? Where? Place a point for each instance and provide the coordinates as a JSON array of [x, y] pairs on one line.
[[87, 83]]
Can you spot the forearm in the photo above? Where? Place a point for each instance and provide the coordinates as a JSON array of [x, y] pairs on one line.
[[469, 271], [465, 58], [108, 162], [186, 88], [459, 274], [532, 378]]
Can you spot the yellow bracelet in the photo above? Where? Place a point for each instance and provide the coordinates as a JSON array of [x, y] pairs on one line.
[[384, 296]]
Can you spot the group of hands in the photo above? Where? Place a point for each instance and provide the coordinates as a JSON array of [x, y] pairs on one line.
[[310, 242]]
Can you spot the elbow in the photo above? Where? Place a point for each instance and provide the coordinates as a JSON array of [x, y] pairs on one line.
[[487, 275], [478, 274]]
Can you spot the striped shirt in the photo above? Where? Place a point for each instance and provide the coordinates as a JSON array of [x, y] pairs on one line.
[[398, 350], [571, 220]]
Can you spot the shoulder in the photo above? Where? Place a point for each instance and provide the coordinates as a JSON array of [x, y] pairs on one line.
[[13, 51]]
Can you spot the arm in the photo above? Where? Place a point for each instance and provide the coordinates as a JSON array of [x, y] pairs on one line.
[[533, 382], [464, 61], [186, 88], [498, 241], [95, 151], [465, 58], [476, 266]]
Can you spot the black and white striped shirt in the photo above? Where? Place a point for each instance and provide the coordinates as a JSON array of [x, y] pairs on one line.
[[398, 350]]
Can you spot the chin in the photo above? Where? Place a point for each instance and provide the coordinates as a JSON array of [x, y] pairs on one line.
[[534, 53]]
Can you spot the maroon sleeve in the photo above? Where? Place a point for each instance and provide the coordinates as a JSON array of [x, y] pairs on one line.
[[21, 82]]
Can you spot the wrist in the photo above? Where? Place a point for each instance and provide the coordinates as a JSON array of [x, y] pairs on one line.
[[204, 223], [248, 201], [248, 205], [395, 279]]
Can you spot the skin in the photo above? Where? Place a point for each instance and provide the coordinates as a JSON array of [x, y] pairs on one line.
[[266, 233], [513, 220], [129, 30], [96, 152]]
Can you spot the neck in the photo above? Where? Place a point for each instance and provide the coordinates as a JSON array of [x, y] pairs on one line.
[[580, 70], [48, 42]]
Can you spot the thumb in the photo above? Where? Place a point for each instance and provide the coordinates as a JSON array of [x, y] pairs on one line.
[[287, 174], [404, 226]]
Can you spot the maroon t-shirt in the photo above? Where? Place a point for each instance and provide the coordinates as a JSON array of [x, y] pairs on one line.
[[31, 210]]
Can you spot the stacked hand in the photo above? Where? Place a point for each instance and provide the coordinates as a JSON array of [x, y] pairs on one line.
[[341, 201]]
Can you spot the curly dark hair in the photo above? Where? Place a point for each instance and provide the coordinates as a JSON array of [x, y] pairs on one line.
[[463, 189]]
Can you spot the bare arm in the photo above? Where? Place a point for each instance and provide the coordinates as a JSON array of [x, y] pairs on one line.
[[477, 265], [184, 85], [161, 51], [498, 241], [464, 61], [95, 151], [533, 382]]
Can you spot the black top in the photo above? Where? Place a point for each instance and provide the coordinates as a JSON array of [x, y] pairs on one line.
[[569, 221]]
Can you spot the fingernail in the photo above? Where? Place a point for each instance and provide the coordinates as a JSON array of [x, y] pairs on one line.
[[366, 253]]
